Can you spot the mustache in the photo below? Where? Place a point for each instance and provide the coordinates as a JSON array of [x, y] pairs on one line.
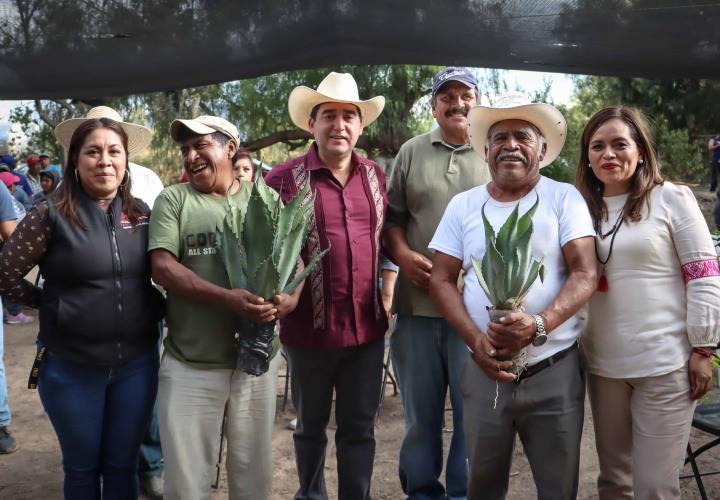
[[456, 111], [512, 156]]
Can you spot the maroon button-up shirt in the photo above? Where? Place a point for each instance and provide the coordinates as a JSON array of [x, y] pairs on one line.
[[346, 217]]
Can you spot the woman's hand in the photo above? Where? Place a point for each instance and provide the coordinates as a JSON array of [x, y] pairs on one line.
[[700, 374]]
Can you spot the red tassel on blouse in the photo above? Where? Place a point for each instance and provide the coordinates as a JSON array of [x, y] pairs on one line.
[[603, 283]]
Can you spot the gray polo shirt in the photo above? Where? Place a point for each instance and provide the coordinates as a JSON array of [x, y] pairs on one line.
[[427, 173]]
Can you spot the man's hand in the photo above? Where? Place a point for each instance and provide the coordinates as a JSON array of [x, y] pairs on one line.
[[484, 355], [285, 304], [416, 267], [512, 333], [251, 306], [700, 374]]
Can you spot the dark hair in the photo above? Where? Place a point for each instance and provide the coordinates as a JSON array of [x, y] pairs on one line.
[[645, 178], [184, 134], [244, 153], [433, 97], [314, 111], [69, 190]]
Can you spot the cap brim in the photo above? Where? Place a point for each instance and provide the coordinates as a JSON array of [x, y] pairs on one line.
[[303, 99], [139, 137], [545, 117], [191, 125]]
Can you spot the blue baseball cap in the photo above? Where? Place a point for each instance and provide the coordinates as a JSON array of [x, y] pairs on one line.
[[453, 74]]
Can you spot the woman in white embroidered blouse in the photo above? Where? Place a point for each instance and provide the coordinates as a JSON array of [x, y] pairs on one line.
[[654, 320]]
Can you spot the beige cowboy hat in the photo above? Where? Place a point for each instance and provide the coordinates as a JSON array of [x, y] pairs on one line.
[[139, 137], [517, 106], [203, 125], [336, 87]]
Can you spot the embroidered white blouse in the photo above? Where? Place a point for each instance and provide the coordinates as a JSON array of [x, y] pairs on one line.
[[663, 293]]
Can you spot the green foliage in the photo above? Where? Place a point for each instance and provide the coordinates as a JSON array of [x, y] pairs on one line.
[[261, 249], [507, 270]]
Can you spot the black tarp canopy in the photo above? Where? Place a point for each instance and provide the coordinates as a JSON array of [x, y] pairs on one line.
[[86, 48]]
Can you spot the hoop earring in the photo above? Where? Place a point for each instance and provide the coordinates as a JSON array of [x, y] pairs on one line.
[[77, 179], [126, 179]]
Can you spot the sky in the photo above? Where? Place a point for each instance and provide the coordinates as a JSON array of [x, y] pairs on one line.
[[562, 87]]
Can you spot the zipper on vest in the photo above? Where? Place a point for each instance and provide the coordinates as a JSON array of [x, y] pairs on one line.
[[117, 272]]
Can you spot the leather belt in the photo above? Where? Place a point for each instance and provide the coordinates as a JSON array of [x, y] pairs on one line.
[[538, 367]]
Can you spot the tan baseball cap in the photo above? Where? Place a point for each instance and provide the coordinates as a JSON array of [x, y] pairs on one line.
[[205, 124]]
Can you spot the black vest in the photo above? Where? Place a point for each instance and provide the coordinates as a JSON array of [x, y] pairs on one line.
[[98, 306]]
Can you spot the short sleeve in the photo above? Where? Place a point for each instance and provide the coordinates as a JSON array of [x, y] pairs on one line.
[[164, 232], [7, 208], [574, 216], [448, 235], [397, 213], [699, 262]]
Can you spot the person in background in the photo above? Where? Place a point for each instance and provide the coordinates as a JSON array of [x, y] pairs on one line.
[[244, 166], [97, 345], [654, 320], [8, 218], [713, 147], [14, 315], [427, 353], [34, 166], [9, 164], [49, 180]]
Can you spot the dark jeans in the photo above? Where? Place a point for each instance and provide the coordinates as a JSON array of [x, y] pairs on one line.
[[151, 455], [13, 308], [355, 373], [99, 415], [714, 166]]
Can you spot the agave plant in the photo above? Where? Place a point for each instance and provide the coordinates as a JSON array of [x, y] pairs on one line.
[[507, 270], [260, 247]]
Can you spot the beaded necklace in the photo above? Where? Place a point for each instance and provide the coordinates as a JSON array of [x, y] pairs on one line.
[[603, 285]]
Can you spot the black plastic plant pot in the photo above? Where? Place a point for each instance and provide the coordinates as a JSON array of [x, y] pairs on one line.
[[254, 347]]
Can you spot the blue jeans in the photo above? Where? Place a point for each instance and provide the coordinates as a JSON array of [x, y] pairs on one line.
[[4, 407], [100, 415], [428, 357], [151, 455]]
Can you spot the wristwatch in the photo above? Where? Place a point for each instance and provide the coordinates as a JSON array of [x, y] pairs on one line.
[[540, 336]]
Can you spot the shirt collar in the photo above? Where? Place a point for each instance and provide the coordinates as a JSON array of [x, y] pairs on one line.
[[313, 161], [437, 138]]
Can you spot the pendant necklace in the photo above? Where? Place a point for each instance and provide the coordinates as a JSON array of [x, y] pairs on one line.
[[603, 282]]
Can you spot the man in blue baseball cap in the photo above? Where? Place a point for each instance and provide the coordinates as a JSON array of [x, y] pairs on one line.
[[427, 353]]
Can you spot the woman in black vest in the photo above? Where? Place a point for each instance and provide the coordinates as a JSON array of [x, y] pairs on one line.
[[99, 312]]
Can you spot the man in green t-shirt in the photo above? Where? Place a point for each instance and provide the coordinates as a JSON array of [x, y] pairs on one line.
[[198, 381]]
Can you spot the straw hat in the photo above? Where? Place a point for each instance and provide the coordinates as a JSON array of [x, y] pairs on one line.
[[336, 87], [139, 137], [517, 106]]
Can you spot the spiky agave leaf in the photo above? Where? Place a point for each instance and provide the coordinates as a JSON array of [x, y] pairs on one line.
[[266, 280], [290, 287], [478, 273], [258, 232], [231, 250]]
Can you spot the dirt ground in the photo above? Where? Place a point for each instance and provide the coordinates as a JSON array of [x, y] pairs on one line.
[[35, 471]]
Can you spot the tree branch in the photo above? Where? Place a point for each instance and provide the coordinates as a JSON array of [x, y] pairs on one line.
[[285, 136]]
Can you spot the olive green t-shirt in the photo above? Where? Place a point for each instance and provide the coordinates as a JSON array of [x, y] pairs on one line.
[[427, 173], [184, 222]]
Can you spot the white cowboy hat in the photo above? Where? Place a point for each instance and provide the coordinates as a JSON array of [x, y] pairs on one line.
[[517, 106], [336, 87], [139, 137]]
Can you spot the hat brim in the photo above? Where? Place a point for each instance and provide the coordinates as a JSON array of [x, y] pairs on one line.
[[139, 137], [545, 117], [303, 99]]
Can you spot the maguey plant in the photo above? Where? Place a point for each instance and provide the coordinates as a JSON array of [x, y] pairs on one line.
[[507, 270], [260, 247]]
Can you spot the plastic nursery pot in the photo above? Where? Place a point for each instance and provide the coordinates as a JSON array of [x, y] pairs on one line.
[[519, 359], [254, 347]]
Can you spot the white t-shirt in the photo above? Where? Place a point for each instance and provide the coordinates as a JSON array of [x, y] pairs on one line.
[[146, 185], [561, 216]]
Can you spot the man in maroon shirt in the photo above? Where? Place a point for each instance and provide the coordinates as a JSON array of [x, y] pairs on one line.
[[334, 338]]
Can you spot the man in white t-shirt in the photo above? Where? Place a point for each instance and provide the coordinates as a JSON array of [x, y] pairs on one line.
[[544, 404]]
